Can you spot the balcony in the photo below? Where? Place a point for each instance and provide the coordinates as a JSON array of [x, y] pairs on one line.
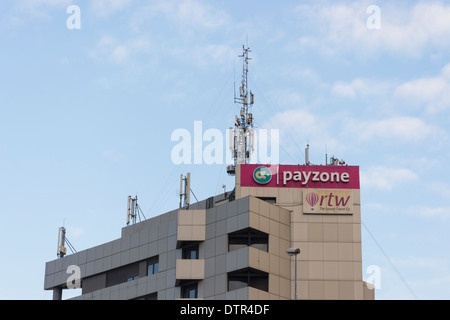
[[190, 269], [191, 226]]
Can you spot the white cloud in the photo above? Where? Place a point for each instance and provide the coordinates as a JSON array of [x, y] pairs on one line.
[[386, 178], [394, 129], [119, 52], [35, 4], [432, 92], [432, 264], [432, 212], [193, 12], [23, 11], [360, 87], [298, 127], [406, 30], [441, 188], [186, 15], [105, 8]]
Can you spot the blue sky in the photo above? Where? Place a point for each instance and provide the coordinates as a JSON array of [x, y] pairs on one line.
[[86, 118]]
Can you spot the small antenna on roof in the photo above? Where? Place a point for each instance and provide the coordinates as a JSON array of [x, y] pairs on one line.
[[62, 240], [61, 249], [186, 193], [307, 155], [133, 210]]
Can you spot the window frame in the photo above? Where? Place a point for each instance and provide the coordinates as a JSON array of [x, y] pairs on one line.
[[248, 237], [187, 251], [187, 288], [153, 263], [248, 277]]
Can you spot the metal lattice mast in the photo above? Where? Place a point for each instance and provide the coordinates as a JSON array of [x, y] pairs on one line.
[[241, 137]]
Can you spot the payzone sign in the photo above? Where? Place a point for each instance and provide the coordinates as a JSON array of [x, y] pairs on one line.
[[300, 176], [328, 201]]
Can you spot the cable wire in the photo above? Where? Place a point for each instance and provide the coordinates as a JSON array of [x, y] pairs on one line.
[[390, 262]]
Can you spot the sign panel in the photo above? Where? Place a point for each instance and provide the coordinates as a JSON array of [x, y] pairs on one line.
[[327, 201], [299, 176]]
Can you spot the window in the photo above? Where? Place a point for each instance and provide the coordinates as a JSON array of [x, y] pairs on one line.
[[122, 274], [132, 271], [190, 252], [151, 296], [248, 277], [132, 278], [248, 238], [272, 200], [189, 291], [152, 266]]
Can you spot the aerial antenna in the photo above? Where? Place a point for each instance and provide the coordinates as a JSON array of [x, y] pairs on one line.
[[242, 135], [307, 155], [62, 240], [185, 191], [133, 210]]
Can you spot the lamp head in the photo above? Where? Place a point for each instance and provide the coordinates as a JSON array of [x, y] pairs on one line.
[[293, 251]]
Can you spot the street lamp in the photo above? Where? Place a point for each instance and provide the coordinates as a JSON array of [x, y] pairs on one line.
[[294, 252]]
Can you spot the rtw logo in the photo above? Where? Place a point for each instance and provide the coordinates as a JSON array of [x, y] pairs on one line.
[[327, 201]]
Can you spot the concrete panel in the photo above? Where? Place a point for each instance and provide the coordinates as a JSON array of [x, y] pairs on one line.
[[243, 205], [190, 269], [220, 283], [232, 224], [331, 290], [243, 220], [221, 244], [331, 270], [210, 266], [220, 264]]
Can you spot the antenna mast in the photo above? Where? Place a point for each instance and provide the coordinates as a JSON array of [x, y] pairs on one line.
[[186, 194], [62, 241], [133, 210], [242, 135], [61, 250]]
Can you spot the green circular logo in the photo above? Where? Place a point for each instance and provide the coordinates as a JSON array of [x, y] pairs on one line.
[[262, 175]]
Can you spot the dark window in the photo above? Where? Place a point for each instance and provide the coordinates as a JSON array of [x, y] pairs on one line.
[[132, 278], [248, 238], [152, 266], [151, 296], [272, 200], [132, 271], [190, 252], [189, 291], [122, 274], [248, 277]]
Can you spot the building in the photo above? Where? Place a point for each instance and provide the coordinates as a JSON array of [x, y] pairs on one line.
[[284, 232], [234, 245]]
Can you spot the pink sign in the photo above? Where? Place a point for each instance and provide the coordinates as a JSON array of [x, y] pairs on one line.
[[300, 176]]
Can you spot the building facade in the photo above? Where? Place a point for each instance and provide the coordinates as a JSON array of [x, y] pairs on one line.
[[234, 245]]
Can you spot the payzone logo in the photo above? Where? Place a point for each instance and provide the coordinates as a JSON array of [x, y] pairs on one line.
[[262, 175]]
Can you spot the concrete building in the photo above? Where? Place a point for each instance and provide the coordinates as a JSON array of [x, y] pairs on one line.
[[234, 245]]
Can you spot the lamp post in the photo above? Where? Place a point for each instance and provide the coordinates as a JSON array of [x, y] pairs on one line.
[[294, 252]]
